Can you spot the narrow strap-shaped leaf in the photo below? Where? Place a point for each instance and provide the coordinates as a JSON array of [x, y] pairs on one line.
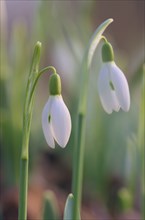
[[68, 211], [50, 209]]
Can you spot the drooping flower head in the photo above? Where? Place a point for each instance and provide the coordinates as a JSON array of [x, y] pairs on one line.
[[112, 84], [56, 120]]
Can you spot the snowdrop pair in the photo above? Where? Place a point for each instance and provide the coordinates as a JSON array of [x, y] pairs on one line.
[[112, 84], [113, 92]]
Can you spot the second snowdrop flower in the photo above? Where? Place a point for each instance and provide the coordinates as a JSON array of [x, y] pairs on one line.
[[112, 84], [56, 120]]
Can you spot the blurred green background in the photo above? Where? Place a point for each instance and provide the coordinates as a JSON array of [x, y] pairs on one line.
[[64, 28]]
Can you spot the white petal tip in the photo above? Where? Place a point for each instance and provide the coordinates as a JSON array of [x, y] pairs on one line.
[[126, 109], [64, 141], [106, 108], [52, 146], [109, 113], [126, 106], [62, 146]]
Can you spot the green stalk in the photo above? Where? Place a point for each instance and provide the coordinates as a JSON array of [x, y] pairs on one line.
[[27, 117], [141, 143], [78, 155], [23, 190]]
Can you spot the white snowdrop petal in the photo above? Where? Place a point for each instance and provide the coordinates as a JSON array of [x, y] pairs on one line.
[[104, 90], [121, 87], [61, 121], [107, 95], [46, 126], [116, 105]]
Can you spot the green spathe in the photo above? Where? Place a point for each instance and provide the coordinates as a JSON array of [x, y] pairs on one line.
[[107, 52], [55, 84]]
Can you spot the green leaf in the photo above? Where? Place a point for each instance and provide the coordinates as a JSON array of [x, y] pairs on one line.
[[50, 209], [68, 211]]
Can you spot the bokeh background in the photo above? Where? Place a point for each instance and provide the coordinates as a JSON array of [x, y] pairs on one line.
[[112, 174]]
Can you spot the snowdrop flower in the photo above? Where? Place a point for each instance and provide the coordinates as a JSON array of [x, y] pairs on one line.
[[112, 84], [56, 120]]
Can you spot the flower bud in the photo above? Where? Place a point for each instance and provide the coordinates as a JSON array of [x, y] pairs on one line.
[[107, 52], [55, 84]]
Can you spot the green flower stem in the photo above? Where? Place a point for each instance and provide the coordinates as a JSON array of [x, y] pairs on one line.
[[141, 143], [78, 156], [23, 190], [27, 116]]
